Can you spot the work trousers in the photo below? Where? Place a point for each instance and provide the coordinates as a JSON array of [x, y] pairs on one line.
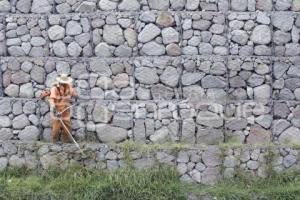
[[57, 126]]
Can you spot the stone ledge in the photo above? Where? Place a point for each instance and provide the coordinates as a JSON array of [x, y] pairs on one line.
[[205, 164]]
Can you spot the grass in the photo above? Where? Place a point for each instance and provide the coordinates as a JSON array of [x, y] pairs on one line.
[[159, 183]]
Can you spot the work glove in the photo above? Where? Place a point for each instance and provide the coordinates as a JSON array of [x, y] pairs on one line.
[[58, 114]]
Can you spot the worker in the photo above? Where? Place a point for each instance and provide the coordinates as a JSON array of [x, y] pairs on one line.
[[59, 100]]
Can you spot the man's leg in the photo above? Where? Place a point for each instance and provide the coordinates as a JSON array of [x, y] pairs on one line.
[[66, 135], [56, 125]]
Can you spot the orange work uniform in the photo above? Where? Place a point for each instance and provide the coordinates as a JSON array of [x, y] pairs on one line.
[[60, 97]]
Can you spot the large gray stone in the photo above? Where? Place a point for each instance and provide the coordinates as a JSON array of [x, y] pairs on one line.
[[4, 6], [210, 136], [279, 126], [103, 50], [153, 49], [149, 32], [20, 122], [240, 36], [41, 6], [290, 135], [159, 4], [29, 107], [113, 34], [38, 74], [283, 21], [16, 162], [12, 90], [26, 91], [146, 75], [258, 135], [236, 124], [160, 92], [56, 32], [262, 92], [239, 5], [129, 5], [289, 160], [107, 5], [213, 82], [210, 119], [6, 134], [292, 83], [30, 133], [102, 114], [192, 4], [265, 5], [212, 156], [74, 49], [188, 131], [5, 121], [261, 34], [20, 77], [87, 7], [279, 68], [73, 28], [281, 37], [108, 134], [170, 35], [170, 76], [191, 78], [24, 6], [60, 49], [160, 136]]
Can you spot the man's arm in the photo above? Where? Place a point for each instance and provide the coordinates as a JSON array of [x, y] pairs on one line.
[[52, 99]]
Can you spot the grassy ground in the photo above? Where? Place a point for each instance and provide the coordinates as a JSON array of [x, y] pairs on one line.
[[159, 183]]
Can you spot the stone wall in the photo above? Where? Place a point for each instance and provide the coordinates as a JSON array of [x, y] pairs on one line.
[[206, 164], [154, 71]]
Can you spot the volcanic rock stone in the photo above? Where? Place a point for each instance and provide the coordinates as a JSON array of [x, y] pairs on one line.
[[261, 34], [148, 33], [56, 32], [290, 135], [30, 133], [41, 6], [108, 134], [113, 34]]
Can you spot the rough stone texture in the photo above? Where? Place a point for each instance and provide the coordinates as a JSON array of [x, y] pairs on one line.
[[252, 5], [114, 35], [19, 120], [157, 79], [69, 36], [203, 34], [286, 29], [157, 32], [249, 78], [95, 79], [286, 124], [155, 122], [27, 36], [204, 79], [286, 79], [202, 123], [248, 122], [212, 90], [250, 34]]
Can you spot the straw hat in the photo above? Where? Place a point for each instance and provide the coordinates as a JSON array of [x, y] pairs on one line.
[[64, 79]]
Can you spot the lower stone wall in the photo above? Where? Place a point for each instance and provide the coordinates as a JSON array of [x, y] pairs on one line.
[[201, 164]]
